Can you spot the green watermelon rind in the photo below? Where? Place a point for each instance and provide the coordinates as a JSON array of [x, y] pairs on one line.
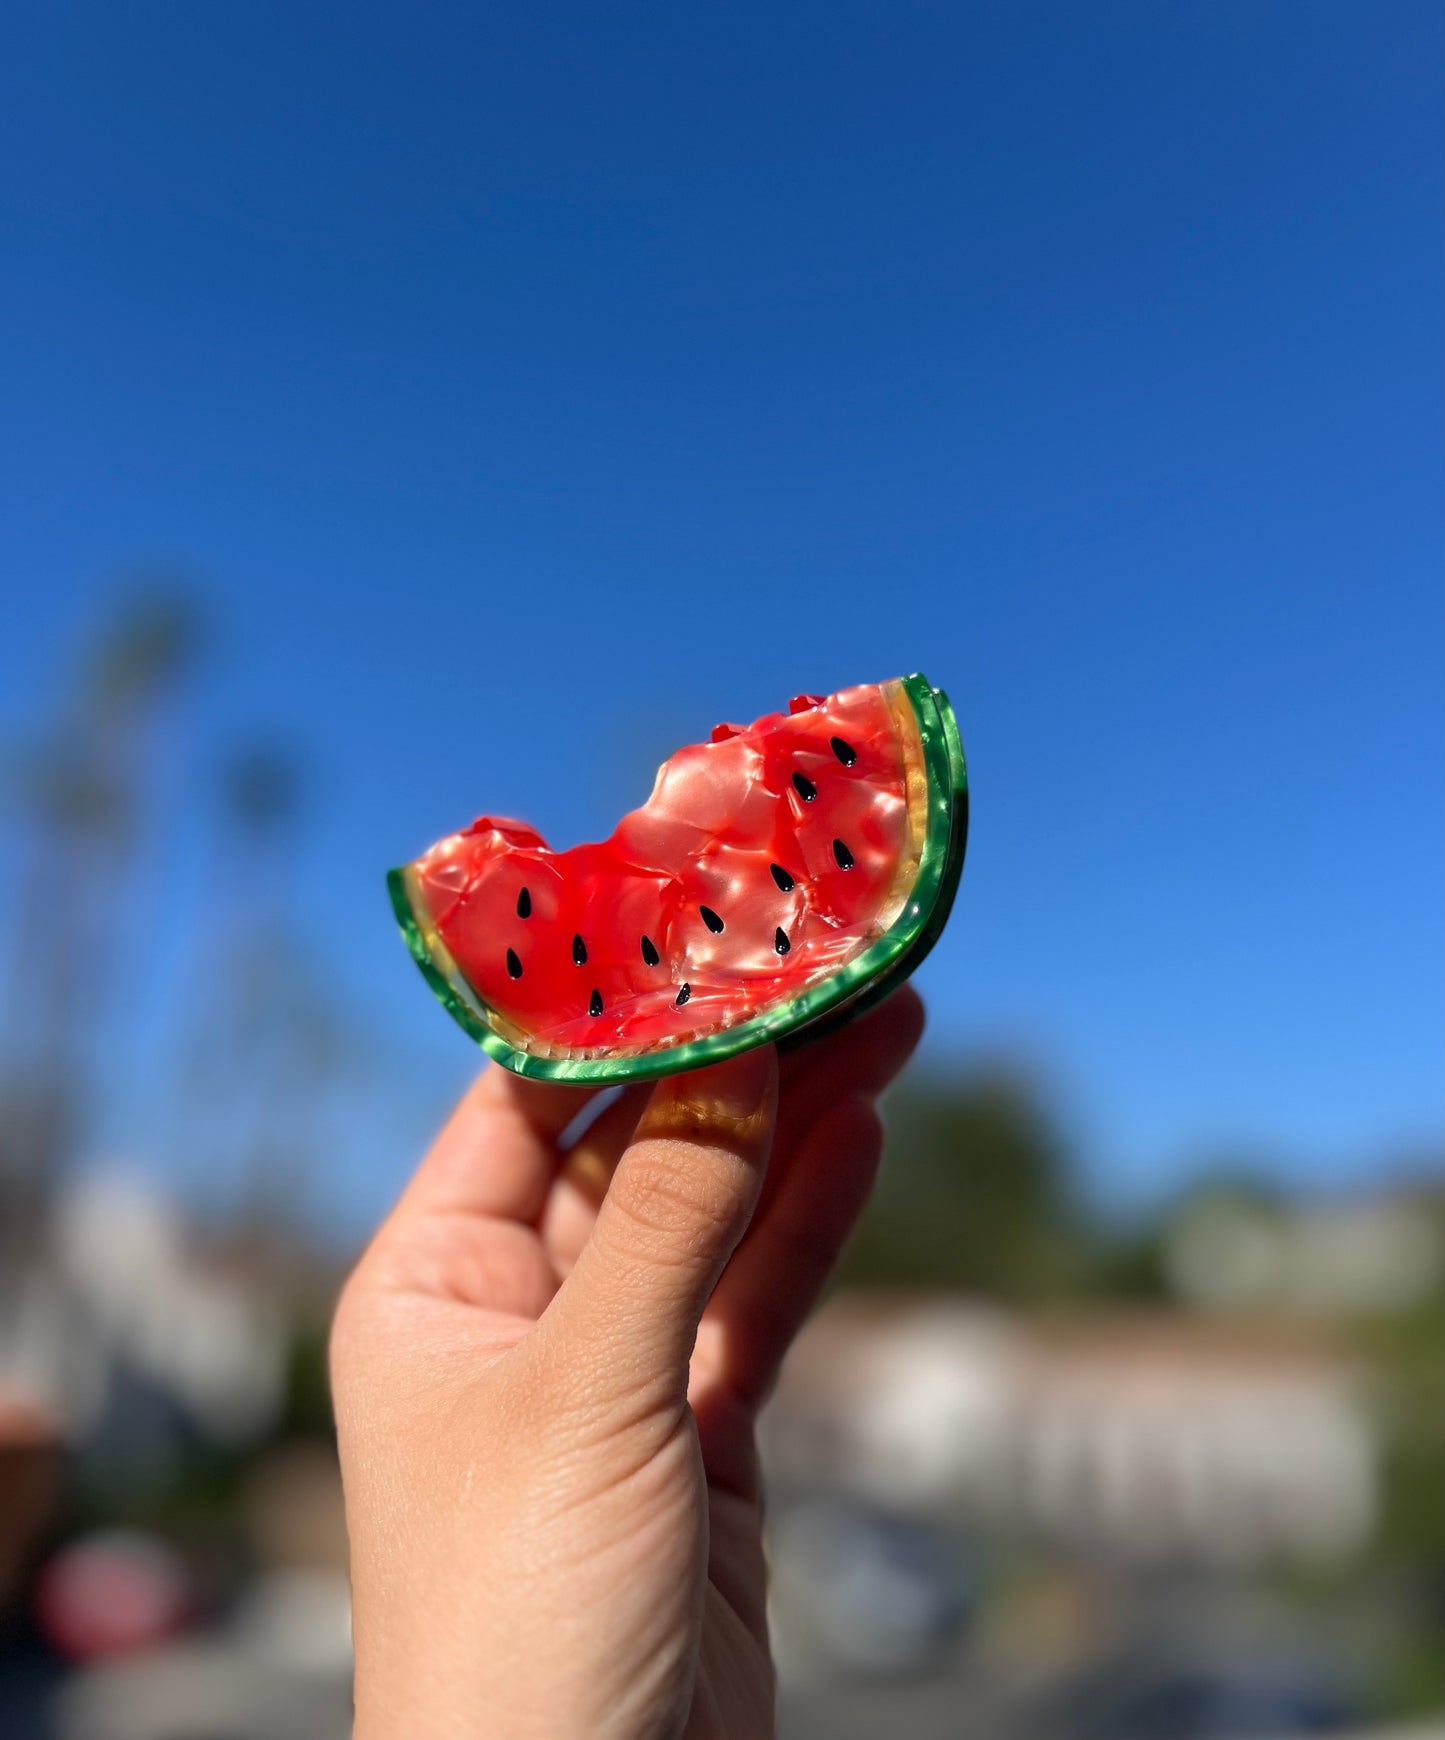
[[864, 981]]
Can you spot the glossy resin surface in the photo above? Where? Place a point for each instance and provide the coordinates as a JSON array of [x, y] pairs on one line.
[[779, 872]]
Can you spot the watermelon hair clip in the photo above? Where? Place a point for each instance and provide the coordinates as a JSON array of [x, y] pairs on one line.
[[780, 879]]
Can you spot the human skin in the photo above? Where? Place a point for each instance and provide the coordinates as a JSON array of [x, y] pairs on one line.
[[547, 1371]]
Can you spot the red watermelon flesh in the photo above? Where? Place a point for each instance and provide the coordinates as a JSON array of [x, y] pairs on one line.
[[763, 862]]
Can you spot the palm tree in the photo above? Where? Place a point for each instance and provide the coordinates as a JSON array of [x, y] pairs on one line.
[[78, 795]]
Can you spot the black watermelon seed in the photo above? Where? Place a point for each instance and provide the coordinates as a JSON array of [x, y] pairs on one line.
[[843, 855], [514, 966], [845, 752], [649, 953], [804, 787], [579, 951], [711, 919], [780, 941], [782, 878], [683, 995], [524, 904], [594, 1004]]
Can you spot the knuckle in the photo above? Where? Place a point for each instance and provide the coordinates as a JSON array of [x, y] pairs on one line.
[[671, 1196], [352, 1321], [807, 1249], [344, 1338]]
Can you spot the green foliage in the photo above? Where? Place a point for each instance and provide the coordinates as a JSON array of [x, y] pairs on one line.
[[1404, 1352], [307, 1409], [975, 1196], [1129, 1267]]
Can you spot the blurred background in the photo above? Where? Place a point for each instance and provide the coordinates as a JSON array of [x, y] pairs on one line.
[[410, 412]]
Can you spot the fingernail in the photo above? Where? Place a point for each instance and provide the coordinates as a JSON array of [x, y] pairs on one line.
[[729, 1102]]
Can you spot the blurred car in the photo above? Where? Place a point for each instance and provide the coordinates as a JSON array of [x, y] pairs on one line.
[[1185, 1690], [863, 1592], [277, 1667]]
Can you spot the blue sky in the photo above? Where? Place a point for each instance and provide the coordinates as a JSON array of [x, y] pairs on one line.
[[532, 387]]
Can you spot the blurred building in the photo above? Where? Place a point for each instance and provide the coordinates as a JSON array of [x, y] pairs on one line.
[[130, 1327], [1358, 1256], [1157, 1436]]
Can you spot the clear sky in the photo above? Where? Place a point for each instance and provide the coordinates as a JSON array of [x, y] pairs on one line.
[[533, 386]]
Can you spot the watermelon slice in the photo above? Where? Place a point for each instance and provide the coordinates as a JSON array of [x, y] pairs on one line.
[[781, 877]]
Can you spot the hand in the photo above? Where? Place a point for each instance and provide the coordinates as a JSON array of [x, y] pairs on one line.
[[547, 1371]]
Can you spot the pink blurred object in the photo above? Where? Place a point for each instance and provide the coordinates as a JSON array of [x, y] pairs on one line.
[[111, 1593]]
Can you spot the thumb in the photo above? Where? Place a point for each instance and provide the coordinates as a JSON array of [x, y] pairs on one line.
[[678, 1203]]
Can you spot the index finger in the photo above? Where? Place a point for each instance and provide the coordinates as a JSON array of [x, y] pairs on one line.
[[498, 1153]]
